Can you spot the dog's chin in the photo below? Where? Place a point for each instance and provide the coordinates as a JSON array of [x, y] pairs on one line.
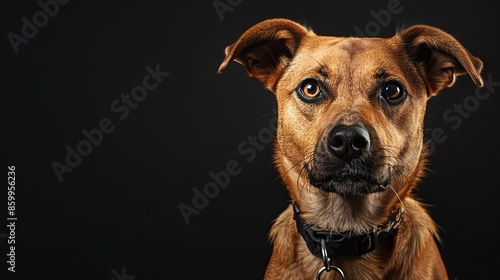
[[351, 186]]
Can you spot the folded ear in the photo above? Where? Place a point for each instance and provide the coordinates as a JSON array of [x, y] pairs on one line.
[[439, 57], [266, 49]]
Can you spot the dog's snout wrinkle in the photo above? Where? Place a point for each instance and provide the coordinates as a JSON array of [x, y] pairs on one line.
[[348, 142]]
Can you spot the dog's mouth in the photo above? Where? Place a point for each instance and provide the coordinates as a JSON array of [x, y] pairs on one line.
[[350, 181], [360, 176]]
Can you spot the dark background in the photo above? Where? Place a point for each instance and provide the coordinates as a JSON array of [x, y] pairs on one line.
[[116, 215]]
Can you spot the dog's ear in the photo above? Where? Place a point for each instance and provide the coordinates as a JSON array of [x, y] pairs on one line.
[[266, 49], [439, 57]]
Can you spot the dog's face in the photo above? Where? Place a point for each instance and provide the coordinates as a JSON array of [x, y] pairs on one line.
[[350, 110], [350, 113]]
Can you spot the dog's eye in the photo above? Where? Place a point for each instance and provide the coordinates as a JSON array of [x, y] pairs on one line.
[[393, 92], [309, 90]]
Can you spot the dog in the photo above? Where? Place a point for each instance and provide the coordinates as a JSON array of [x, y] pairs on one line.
[[350, 148]]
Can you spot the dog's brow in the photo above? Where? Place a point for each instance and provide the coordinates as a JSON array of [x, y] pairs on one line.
[[322, 71], [381, 73], [322, 68]]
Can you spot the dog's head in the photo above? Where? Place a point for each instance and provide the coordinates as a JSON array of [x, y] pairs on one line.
[[350, 110]]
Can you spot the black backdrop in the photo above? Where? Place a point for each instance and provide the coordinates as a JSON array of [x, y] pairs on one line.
[[71, 72]]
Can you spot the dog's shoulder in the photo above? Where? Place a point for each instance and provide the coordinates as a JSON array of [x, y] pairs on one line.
[[418, 221], [283, 229]]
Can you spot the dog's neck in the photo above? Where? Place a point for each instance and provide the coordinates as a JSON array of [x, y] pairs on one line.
[[356, 214], [345, 244], [342, 214]]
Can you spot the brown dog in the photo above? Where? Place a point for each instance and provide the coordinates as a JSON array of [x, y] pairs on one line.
[[350, 146]]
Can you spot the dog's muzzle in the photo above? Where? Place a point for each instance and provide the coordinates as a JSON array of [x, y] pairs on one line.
[[347, 162]]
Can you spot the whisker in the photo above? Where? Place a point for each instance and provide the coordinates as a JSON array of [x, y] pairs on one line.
[[397, 195], [305, 158], [302, 188]]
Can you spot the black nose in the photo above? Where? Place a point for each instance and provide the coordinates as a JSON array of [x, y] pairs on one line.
[[348, 141]]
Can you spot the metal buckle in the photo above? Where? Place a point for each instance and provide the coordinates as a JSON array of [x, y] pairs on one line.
[[369, 242]]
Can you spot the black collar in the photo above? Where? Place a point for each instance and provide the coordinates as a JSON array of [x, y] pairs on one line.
[[345, 244]]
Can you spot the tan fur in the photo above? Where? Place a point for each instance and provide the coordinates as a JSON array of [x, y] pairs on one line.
[[281, 54]]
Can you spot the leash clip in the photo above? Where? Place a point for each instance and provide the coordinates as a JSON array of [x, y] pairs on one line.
[[326, 263]]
